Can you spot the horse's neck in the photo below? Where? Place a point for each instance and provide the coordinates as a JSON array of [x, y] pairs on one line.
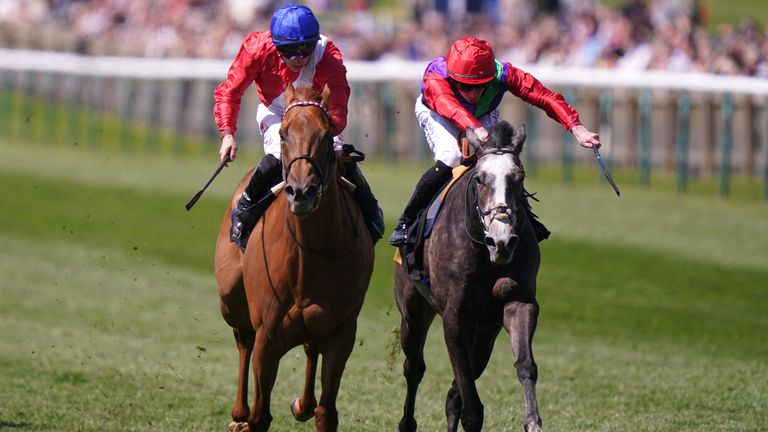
[[462, 202], [324, 224]]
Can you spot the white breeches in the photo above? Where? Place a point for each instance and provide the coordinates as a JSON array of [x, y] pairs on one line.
[[442, 135], [269, 125]]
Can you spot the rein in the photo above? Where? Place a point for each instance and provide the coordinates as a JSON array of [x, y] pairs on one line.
[[473, 200], [313, 250]]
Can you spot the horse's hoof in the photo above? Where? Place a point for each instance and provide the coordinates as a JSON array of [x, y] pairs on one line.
[[238, 427], [407, 425], [533, 427], [295, 410]]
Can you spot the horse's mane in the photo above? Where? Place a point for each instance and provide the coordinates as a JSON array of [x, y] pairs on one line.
[[501, 137], [501, 134]]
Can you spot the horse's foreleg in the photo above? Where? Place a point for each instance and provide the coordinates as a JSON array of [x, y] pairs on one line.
[[453, 408], [234, 310], [482, 349], [335, 356], [266, 358], [520, 321], [413, 334], [459, 340], [303, 408], [244, 339]]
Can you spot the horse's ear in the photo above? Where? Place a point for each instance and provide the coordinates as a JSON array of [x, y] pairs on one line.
[[518, 139], [325, 96], [290, 95], [474, 141]]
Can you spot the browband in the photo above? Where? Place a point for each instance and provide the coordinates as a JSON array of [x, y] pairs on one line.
[[308, 103]]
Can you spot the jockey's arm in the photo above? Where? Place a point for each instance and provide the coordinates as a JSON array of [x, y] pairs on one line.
[[242, 73], [439, 97]]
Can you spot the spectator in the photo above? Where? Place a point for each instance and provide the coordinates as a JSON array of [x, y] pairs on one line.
[[641, 34]]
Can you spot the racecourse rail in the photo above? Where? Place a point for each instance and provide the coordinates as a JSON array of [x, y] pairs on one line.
[[692, 124]]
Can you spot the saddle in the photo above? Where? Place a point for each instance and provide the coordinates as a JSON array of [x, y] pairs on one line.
[[353, 181], [411, 253]]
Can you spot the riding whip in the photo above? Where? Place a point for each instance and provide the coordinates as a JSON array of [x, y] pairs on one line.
[[605, 171], [200, 192]]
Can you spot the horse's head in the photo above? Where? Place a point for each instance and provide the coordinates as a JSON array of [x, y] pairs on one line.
[[306, 148], [498, 181]]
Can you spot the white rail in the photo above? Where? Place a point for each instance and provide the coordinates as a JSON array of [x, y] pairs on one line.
[[360, 71]]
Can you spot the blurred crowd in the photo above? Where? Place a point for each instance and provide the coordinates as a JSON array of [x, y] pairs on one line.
[[638, 35]]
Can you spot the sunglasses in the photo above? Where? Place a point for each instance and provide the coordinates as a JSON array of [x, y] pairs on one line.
[[469, 87], [294, 52]]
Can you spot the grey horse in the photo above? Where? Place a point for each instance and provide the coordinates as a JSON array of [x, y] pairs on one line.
[[482, 259]]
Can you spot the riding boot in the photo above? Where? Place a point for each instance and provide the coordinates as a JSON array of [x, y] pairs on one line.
[[429, 184], [542, 233], [374, 217], [254, 201]]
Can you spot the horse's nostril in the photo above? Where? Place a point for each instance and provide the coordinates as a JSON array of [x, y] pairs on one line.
[[489, 241], [290, 191], [311, 191], [513, 239]]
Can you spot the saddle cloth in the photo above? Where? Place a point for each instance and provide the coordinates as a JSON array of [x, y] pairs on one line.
[[411, 253]]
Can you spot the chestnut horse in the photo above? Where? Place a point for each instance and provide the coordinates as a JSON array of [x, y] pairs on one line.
[[482, 258], [303, 276]]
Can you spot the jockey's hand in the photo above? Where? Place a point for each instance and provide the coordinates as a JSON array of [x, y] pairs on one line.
[[481, 132], [342, 157], [585, 138], [228, 147]]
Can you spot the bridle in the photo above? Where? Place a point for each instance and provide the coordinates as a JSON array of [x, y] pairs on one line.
[[330, 157], [308, 103], [502, 208], [325, 177]]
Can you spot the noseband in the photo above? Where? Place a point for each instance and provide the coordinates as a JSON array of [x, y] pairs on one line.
[[315, 166]]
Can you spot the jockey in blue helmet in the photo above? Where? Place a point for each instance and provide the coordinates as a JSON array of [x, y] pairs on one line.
[[294, 25], [294, 53]]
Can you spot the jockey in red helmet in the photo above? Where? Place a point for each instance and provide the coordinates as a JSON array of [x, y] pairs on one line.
[[292, 52], [463, 91], [470, 61]]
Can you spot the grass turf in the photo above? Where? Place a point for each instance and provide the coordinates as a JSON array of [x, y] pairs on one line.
[[653, 308]]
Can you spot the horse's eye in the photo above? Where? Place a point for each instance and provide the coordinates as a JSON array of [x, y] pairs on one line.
[[478, 181], [282, 135]]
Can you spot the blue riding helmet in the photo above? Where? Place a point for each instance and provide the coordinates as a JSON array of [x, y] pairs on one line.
[[294, 24]]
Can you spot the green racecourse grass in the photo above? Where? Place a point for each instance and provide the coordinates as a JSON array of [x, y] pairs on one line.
[[654, 307]]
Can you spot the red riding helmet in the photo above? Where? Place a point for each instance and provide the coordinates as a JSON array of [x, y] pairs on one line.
[[471, 61]]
